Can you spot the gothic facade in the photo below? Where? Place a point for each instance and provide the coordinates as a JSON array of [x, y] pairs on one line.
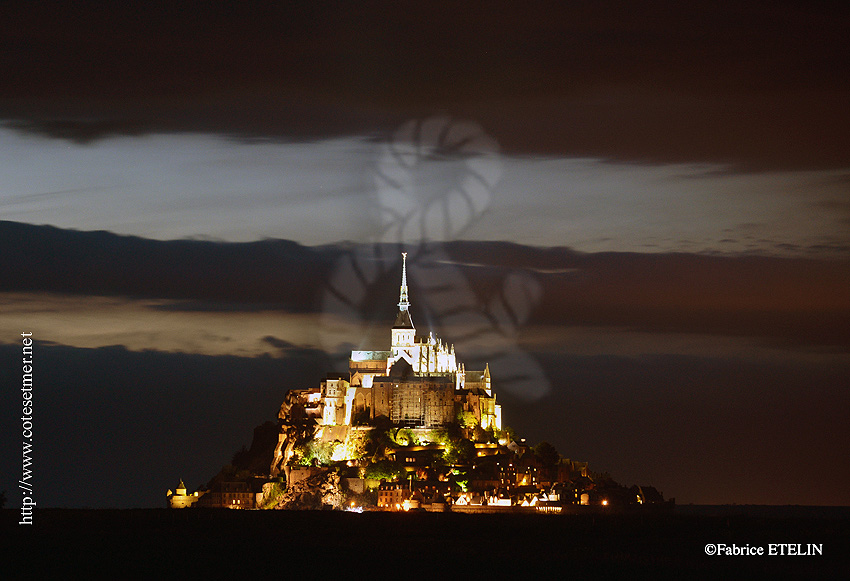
[[417, 383]]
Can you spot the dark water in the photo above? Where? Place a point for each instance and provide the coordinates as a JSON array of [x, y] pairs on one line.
[[197, 544]]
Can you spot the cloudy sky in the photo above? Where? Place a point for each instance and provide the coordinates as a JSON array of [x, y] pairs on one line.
[[639, 213]]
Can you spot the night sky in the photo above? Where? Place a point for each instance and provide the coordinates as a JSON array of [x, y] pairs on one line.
[[637, 213]]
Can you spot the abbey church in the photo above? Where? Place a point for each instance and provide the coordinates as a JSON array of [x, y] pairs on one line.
[[418, 384]]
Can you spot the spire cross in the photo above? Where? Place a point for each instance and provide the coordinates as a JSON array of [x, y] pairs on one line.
[[402, 301]]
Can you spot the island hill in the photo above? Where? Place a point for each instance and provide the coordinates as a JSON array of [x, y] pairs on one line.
[[407, 428]]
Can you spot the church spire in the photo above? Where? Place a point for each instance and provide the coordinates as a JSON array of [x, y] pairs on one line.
[[403, 303], [403, 320]]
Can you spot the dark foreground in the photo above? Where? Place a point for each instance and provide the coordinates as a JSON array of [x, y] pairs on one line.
[[197, 544]]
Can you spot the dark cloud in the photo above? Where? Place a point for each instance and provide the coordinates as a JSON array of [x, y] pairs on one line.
[[794, 301], [80, 131], [191, 306], [289, 350], [202, 272], [279, 343], [760, 85], [800, 301]]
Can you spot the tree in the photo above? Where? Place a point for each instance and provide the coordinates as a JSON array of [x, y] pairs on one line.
[[386, 470], [438, 436], [382, 423], [603, 479], [405, 437], [507, 434], [358, 444], [241, 458], [547, 454], [313, 452], [466, 419], [459, 452], [479, 434]]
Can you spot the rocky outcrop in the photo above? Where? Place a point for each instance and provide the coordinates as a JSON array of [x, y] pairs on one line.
[[297, 424], [317, 492]]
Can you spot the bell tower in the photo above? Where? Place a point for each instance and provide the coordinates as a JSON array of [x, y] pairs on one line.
[[403, 333]]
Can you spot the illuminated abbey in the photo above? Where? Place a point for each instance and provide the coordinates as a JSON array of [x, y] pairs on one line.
[[418, 384], [406, 428]]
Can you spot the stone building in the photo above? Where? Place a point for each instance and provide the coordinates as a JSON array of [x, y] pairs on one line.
[[230, 494], [418, 382], [180, 498]]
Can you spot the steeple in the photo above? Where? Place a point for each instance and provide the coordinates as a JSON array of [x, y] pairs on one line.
[[403, 303], [403, 320]]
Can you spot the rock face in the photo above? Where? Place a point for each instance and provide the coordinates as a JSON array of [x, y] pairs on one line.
[[297, 424], [314, 493]]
